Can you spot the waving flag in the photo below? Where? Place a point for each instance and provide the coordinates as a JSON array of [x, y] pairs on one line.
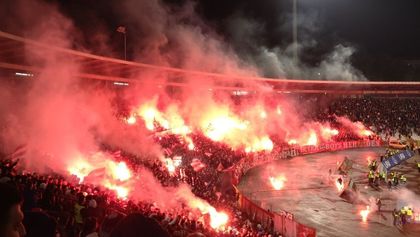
[[197, 165], [19, 152]]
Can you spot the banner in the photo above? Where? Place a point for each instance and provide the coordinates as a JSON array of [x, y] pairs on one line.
[[397, 159], [332, 146]]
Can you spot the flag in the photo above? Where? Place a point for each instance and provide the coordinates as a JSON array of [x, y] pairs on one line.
[[197, 165], [168, 151], [122, 29], [117, 154], [220, 167], [19, 152]]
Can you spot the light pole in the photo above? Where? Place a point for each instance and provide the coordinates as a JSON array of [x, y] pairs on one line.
[[123, 30], [295, 46]]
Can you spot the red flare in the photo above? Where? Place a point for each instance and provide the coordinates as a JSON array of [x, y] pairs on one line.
[[278, 182], [131, 120], [365, 213], [339, 185]]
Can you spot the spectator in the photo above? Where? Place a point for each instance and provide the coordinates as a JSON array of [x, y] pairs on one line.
[[137, 225], [90, 228], [11, 215], [78, 218], [39, 223]]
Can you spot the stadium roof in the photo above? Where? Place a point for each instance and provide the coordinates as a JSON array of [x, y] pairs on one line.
[[12, 57]]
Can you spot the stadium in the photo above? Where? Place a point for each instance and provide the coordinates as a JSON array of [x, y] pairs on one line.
[[94, 145]]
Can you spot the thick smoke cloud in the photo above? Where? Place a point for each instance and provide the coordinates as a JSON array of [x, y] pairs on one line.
[[57, 118], [277, 60], [176, 36], [61, 120]]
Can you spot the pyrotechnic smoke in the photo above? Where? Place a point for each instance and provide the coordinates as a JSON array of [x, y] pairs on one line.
[[179, 38], [277, 61], [62, 122], [357, 127], [55, 116], [406, 197]]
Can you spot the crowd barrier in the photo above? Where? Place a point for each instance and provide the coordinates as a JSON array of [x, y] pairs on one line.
[[284, 222], [290, 152]]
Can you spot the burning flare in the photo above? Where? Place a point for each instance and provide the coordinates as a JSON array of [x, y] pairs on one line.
[[102, 170], [131, 120], [339, 183], [278, 182], [120, 171], [357, 127], [312, 140], [171, 165], [80, 169], [327, 132], [365, 213], [217, 219], [250, 129]]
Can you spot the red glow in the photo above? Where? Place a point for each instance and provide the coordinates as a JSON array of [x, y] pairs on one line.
[[121, 191], [366, 133], [220, 126], [340, 186], [80, 169], [312, 140], [328, 132], [278, 110], [218, 219], [357, 127], [278, 182], [171, 165], [250, 129], [120, 171], [131, 120], [107, 173], [365, 213]]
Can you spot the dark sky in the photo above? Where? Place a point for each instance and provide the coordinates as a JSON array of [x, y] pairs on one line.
[[385, 33]]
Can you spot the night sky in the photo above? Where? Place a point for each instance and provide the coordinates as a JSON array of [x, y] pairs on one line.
[[385, 33]]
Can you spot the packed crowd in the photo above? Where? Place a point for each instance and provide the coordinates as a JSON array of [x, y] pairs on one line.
[[52, 205], [388, 116]]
